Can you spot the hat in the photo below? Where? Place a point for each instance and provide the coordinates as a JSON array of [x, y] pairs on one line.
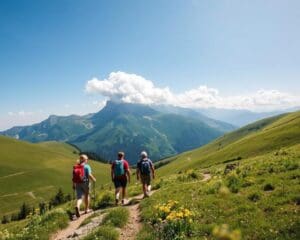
[[83, 157], [121, 154], [144, 154]]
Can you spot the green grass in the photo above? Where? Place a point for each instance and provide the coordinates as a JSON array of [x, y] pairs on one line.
[[33, 173], [39, 227], [259, 199], [104, 233], [253, 140], [246, 206], [116, 217]]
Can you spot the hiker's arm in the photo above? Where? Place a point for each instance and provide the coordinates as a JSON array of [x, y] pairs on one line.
[[152, 170], [92, 177], [128, 175], [112, 174]]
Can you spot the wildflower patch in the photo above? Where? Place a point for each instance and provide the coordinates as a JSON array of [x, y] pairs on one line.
[[172, 221]]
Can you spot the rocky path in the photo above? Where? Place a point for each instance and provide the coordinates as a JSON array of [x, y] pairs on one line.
[[70, 231]]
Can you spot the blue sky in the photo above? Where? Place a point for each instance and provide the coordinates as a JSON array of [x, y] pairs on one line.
[[50, 50]]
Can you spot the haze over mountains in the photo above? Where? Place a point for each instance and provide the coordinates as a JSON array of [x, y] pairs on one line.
[[240, 117], [128, 127]]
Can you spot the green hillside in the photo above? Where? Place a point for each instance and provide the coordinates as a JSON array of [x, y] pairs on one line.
[[33, 172], [252, 140], [129, 127], [251, 191]]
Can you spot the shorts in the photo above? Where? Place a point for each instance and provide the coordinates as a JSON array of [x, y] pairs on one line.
[[81, 189], [146, 179], [120, 182]]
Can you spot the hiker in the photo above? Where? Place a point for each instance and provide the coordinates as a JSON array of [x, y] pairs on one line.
[[120, 174], [82, 174], [144, 169]]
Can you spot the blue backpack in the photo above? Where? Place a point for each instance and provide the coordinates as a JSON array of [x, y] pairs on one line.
[[119, 168], [145, 166]]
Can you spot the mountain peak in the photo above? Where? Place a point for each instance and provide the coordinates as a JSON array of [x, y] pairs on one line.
[[113, 108]]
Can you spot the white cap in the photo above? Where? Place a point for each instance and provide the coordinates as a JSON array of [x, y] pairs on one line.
[[144, 154], [83, 157]]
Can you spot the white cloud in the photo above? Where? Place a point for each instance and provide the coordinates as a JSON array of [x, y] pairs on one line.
[[129, 88], [133, 88]]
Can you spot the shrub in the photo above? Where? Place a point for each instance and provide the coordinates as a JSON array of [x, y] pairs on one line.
[[59, 198], [117, 217], [214, 188], [296, 200], [42, 208], [268, 187], [24, 211], [233, 183], [5, 219], [254, 197], [192, 175], [104, 233], [106, 200]]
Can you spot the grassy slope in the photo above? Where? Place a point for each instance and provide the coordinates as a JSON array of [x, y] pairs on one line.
[[39, 169], [270, 151], [255, 139]]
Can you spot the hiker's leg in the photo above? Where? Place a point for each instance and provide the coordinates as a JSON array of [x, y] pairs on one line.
[[148, 184], [87, 202], [123, 193], [78, 203], [117, 194], [79, 194], [145, 188], [124, 184]]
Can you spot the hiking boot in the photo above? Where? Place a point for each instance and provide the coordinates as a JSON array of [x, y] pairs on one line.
[[88, 211], [146, 195], [117, 202], [77, 212], [122, 202]]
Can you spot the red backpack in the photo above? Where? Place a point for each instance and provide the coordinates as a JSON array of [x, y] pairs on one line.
[[78, 173]]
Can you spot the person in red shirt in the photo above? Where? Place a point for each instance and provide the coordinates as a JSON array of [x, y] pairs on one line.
[[120, 175]]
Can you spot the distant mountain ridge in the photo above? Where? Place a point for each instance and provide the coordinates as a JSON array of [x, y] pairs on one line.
[[128, 127], [240, 117]]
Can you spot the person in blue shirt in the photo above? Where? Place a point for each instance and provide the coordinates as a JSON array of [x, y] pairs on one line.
[[83, 188]]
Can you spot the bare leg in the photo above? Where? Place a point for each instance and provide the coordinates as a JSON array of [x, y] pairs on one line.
[[123, 194], [87, 202], [117, 195], [145, 189], [78, 204], [77, 208]]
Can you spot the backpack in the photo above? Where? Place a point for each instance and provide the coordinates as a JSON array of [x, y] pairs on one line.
[[119, 168], [145, 166], [78, 173]]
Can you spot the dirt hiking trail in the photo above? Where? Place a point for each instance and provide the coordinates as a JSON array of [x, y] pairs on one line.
[[129, 232]]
